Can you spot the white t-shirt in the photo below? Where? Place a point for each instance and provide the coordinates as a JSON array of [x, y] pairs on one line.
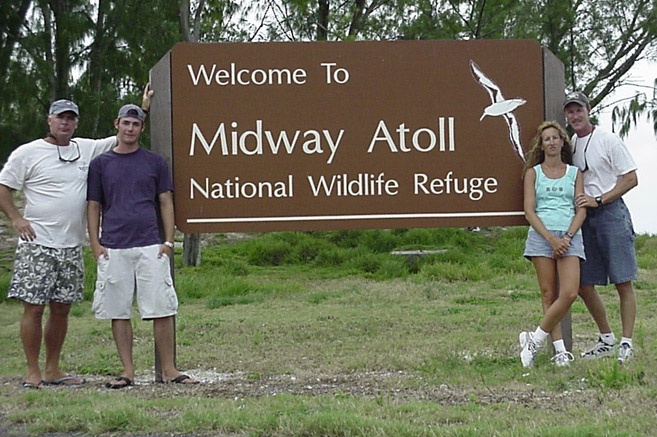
[[55, 191], [608, 159]]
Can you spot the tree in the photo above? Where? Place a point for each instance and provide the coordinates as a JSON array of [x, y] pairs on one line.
[[97, 53], [322, 20], [642, 104], [37, 62], [598, 41], [100, 52], [12, 16]]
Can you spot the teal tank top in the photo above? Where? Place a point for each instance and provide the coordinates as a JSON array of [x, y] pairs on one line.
[[555, 198]]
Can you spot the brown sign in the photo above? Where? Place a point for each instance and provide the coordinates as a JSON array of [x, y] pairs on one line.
[[308, 136]]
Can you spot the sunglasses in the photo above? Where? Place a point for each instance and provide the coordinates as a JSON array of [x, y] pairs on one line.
[[586, 147], [61, 158]]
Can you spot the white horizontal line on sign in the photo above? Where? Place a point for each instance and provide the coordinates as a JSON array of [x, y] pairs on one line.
[[355, 217]]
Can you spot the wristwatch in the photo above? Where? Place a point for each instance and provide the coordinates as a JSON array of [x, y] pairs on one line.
[[168, 244], [570, 235], [598, 200]]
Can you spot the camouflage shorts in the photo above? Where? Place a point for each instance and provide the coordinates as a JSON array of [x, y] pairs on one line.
[[45, 274]]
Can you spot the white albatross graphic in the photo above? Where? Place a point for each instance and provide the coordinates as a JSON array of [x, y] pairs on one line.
[[500, 107]]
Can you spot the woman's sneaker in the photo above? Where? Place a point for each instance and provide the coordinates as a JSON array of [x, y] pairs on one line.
[[625, 352], [600, 350], [563, 359], [529, 348]]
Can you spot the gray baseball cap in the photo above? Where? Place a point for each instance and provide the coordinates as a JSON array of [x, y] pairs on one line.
[[577, 97], [132, 111], [64, 105]]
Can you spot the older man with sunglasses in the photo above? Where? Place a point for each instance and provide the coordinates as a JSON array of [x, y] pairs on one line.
[[48, 268], [609, 172]]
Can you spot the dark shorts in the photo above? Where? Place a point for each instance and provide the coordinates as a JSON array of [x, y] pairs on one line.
[[46, 274], [609, 244]]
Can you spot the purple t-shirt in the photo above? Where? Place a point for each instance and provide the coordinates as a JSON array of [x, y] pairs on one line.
[[127, 186]]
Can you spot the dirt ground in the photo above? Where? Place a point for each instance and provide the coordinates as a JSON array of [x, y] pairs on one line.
[[392, 386]]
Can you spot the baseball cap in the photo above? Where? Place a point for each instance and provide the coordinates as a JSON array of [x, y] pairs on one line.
[[577, 97], [132, 111], [64, 105]]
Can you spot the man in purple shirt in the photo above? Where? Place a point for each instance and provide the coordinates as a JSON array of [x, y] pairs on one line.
[[124, 188]]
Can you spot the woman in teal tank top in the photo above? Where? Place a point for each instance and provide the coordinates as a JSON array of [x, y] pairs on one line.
[[554, 242]]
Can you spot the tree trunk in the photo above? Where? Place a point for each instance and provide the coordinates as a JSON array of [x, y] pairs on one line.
[[357, 18], [192, 250], [191, 242], [96, 57], [322, 20], [185, 33], [62, 46]]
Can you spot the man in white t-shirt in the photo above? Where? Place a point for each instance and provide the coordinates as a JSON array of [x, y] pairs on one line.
[[609, 172], [48, 268]]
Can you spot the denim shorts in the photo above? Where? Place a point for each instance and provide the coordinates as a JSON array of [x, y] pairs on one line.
[[609, 244], [536, 245]]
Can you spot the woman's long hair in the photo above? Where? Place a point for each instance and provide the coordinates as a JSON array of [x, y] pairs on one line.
[[536, 154]]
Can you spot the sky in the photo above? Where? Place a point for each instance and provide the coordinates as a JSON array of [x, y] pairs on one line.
[[642, 143]]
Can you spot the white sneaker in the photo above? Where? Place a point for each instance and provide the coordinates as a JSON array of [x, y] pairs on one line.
[[563, 359], [529, 348], [600, 350], [625, 352]]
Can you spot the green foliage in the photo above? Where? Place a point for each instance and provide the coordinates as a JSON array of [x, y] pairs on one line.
[[100, 53], [5, 279], [646, 248], [494, 255], [240, 292], [271, 251], [615, 377], [369, 253], [89, 273]]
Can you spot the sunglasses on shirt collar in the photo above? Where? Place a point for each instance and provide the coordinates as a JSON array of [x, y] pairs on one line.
[[61, 158]]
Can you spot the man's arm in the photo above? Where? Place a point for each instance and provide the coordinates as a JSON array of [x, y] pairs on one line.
[[168, 220], [623, 185], [93, 227], [21, 226]]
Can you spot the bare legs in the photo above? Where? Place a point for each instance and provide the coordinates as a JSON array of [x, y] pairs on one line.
[[163, 335], [32, 333], [595, 306], [122, 332], [627, 307], [558, 280]]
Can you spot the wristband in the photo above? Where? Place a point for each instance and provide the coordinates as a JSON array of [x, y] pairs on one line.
[[169, 244]]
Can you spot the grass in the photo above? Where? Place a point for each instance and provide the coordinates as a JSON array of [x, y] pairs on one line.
[[328, 334]]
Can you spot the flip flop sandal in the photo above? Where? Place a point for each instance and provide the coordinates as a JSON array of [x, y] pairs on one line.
[[25, 385], [65, 381], [181, 379], [113, 383]]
